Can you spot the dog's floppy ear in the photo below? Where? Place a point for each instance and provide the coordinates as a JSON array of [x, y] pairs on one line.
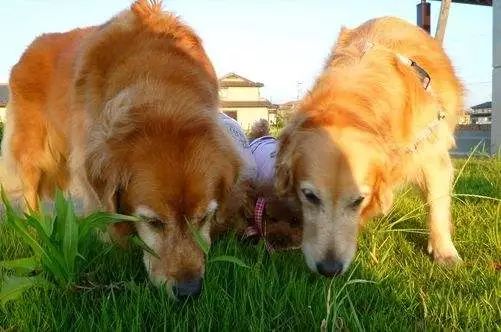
[[107, 194], [106, 187], [287, 155], [103, 168]]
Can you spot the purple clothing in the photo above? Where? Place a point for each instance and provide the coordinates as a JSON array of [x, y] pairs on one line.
[[264, 150], [258, 156]]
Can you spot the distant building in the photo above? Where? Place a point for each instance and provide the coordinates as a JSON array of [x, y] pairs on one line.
[[474, 130], [481, 113], [465, 118], [288, 108], [241, 99], [4, 98]]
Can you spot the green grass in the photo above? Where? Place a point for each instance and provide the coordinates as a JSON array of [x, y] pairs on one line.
[[392, 285]]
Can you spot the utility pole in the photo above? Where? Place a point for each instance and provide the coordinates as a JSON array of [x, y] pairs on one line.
[[299, 90], [496, 79], [442, 20]]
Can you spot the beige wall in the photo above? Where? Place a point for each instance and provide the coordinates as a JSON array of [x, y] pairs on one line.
[[240, 94], [247, 116], [2, 114]]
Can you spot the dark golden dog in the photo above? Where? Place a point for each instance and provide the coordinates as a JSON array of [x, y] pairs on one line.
[[127, 113]]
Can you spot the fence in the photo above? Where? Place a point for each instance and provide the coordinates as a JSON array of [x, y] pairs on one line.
[[469, 136]]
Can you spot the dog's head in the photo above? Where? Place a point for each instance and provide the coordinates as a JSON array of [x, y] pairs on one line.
[[177, 172], [338, 175]]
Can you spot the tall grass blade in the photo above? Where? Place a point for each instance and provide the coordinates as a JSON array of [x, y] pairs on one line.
[[70, 238], [22, 266], [13, 287], [21, 229], [478, 196], [51, 257], [201, 242], [136, 240], [44, 218], [61, 207], [460, 173], [100, 220], [229, 259], [354, 314]]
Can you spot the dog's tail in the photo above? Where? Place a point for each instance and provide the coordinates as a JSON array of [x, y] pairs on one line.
[[260, 128]]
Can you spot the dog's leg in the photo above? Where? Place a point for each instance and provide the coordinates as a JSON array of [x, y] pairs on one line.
[[79, 181], [31, 176], [437, 181], [22, 150]]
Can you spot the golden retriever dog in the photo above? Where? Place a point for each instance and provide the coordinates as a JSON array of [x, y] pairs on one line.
[[382, 113], [127, 113]]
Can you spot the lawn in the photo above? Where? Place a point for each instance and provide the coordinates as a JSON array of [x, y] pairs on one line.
[[392, 285]]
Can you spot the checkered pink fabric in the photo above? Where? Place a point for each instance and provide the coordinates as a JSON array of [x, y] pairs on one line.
[[257, 229]]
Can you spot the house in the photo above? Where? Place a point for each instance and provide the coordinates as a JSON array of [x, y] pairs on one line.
[[241, 99], [4, 98], [288, 108], [481, 113], [475, 133], [465, 117]]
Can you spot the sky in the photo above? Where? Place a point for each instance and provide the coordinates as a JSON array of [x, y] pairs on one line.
[[281, 43]]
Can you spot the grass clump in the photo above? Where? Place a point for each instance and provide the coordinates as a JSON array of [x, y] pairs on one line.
[[56, 242]]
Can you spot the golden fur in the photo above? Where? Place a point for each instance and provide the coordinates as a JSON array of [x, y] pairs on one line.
[[127, 113], [351, 137]]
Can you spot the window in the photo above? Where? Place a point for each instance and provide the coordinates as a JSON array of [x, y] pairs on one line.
[[231, 114], [223, 93]]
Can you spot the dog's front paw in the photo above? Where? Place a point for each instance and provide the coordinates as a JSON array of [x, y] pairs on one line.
[[444, 252]]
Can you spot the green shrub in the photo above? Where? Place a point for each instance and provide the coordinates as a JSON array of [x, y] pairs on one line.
[[57, 243]]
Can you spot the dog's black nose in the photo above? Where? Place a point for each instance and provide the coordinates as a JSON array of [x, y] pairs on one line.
[[187, 289], [330, 268]]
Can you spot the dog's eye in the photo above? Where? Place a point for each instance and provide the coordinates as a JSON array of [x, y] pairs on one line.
[[356, 203], [154, 223], [311, 197]]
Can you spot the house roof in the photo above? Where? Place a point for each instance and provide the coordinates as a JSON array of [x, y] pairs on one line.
[[247, 104], [4, 95], [234, 80], [486, 105], [290, 105]]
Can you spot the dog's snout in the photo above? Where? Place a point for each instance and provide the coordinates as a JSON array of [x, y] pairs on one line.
[[330, 268], [186, 289]]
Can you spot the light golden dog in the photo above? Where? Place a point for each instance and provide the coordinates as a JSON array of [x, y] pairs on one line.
[[372, 121], [127, 113]]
